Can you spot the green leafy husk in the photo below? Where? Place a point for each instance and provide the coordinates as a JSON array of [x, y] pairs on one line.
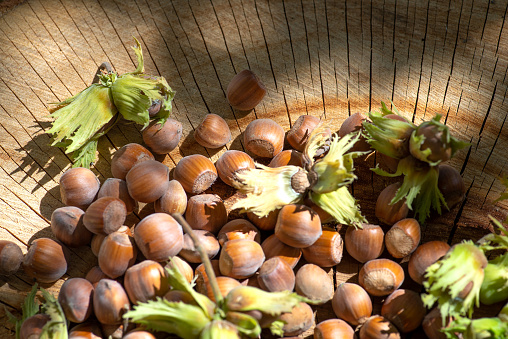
[[341, 205], [246, 324], [446, 280], [267, 189], [495, 283], [336, 168], [56, 327], [29, 308], [483, 328], [247, 298], [416, 141], [220, 329], [419, 188], [186, 321], [81, 119], [388, 136]]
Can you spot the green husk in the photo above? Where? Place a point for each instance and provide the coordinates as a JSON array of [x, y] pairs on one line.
[[56, 327], [463, 266], [495, 283], [483, 328], [419, 188], [186, 321], [341, 205], [219, 329], [246, 324], [388, 136], [267, 189], [29, 308], [83, 118]]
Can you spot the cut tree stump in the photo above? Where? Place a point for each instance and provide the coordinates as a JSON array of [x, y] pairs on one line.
[[321, 58]]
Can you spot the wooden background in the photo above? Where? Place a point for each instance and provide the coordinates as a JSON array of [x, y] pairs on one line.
[[330, 58]]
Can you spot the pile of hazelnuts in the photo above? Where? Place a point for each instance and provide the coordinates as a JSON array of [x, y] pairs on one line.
[[263, 252]]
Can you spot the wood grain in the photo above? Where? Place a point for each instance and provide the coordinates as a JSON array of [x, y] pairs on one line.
[[317, 57]]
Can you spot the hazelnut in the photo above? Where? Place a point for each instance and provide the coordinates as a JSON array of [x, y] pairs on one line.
[[212, 132]]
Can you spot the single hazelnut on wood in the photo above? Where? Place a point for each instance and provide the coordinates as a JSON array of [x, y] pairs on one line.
[[117, 188], [128, 156], [11, 257], [110, 302], [364, 243], [196, 173], [174, 200], [245, 91], [403, 238], [105, 215], [352, 303], [147, 181], [299, 133], [163, 139], [45, 260], [75, 297], [207, 240], [312, 282], [326, 251], [240, 258], [298, 226], [232, 162], [206, 212], [159, 236], [386, 212], [287, 157], [424, 256], [79, 187], [264, 138], [380, 277], [212, 132]]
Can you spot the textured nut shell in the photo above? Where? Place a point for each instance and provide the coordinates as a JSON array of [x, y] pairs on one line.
[[206, 212], [326, 251], [162, 140], [97, 239], [183, 266], [275, 275], [118, 252], [245, 91], [314, 283], [78, 187], [266, 223], [238, 229], [424, 256], [299, 320], [332, 329], [364, 244], [202, 281], [45, 260], [128, 156], [145, 281], [105, 215], [196, 173], [352, 303], [88, 330], [117, 188], [432, 324], [264, 138], [147, 181], [32, 326], [207, 240], [353, 124], [298, 226], [11, 257], [272, 247], [240, 258], [174, 200], [212, 132], [231, 162], [287, 157], [299, 133], [381, 277], [95, 274], [390, 214], [159, 236], [225, 284], [378, 327], [403, 238], [405, 309], [110, 302], [75, 298]]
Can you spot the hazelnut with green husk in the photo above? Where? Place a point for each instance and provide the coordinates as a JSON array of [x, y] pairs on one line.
[[83, 118], [419, 149], [325, 180]]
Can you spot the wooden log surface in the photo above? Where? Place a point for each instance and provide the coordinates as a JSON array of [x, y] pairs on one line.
[[322, 57]]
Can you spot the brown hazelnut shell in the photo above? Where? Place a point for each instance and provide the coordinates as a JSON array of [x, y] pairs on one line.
[[206, 212], [110, 302], [162, 139], [117, 188], [326, 251], [299, 133], [11, 257], [389, 214], [424, 256], [403, 237], [145, 281], [126, 157], [147, 181], [352, 303], [272, 247], [263, 138], [174, 200], [212, 132], [245, 91], [364, 243], [196, 173], [232, 162], [241, 258], [105, 215], [75, 298], [78, 187], [298, 226], [380, 277], [45, 260]]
